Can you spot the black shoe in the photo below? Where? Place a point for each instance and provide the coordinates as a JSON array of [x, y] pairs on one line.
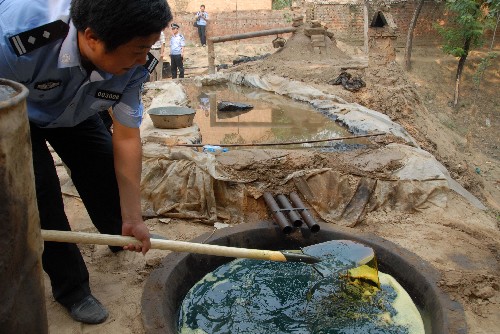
[[89, 310]]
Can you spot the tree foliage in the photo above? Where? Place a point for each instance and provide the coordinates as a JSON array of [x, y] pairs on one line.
[[281, 4], [468, 21]]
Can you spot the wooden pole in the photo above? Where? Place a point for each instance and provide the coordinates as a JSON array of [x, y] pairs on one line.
[[176, 246]]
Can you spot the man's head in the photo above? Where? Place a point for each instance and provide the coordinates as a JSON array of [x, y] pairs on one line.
[[175, 28], [202, 8], [115, 35]]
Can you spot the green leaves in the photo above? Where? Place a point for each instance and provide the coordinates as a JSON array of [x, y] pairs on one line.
[[281, 4], [468, 20]]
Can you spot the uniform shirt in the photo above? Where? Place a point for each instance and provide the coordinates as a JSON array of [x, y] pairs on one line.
[[176, 44], [159, 42], [61, 92], [202, 18]]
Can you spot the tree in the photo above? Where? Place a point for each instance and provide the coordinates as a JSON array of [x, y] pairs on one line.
[[409, 36], [494, 10], [464, 31]]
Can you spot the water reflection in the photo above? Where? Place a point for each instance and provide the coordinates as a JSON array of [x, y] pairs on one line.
[[274, 119], [204, 103]]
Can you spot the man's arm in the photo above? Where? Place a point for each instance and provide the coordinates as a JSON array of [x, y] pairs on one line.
[[127, 151]]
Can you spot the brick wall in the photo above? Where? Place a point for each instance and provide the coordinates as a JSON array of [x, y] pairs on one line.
[[235, 22], [344, 17], [217, 6]]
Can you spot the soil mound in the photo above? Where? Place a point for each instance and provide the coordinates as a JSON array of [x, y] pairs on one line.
[[299, 47]]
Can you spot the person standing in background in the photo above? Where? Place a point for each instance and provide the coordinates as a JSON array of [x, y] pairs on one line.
[[177, 43], [202, 18], [158, 51]]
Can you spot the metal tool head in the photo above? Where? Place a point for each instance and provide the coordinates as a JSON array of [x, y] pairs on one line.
[[300, 257]]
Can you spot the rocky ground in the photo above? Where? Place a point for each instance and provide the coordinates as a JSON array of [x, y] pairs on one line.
[[461, 241]]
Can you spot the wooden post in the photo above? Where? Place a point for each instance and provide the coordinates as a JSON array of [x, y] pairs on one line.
[[21, 282], [211, 56], [365, 27]]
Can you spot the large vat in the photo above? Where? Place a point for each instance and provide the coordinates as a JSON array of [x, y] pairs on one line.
[[167, 286]]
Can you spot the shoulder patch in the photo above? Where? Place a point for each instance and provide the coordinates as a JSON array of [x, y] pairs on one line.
[[48, 85], [108, 95], [35, 38], [151, 63]]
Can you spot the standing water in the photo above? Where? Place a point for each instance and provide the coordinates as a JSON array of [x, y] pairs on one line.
[[250, 296], [273, 119]]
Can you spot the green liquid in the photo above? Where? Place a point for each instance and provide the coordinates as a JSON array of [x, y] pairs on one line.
[[249, 296]]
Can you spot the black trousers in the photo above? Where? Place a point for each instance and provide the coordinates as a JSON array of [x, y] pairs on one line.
[[87, 151], [176, 63], [202, 33]]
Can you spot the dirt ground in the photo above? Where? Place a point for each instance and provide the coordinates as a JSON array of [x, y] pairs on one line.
[[461, 241]]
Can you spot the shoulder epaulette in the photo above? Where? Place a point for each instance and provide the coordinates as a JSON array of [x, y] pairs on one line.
[[151, 63], [35, 38]]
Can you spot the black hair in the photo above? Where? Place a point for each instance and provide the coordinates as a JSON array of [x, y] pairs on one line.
[[116, 22]]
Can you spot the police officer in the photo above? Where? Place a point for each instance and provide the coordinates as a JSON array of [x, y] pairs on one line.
[[77, 58], [177, 43]]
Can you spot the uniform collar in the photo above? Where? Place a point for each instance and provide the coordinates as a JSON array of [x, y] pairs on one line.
[[69, 56], [98, 75]]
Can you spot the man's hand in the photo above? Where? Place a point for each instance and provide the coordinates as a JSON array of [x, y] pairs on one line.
[[139, 231], [127, 153]]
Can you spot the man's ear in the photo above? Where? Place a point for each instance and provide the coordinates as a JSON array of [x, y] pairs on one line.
[[91, 39]]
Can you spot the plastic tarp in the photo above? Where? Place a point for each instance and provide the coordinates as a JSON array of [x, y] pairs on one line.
[[187, 184]]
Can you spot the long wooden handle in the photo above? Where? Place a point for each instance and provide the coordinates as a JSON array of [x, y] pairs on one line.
[[171, 245]]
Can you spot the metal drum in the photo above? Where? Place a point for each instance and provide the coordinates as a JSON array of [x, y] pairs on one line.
[[21, 280]]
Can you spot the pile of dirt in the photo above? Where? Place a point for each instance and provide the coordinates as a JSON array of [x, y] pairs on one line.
[[299, 48]]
